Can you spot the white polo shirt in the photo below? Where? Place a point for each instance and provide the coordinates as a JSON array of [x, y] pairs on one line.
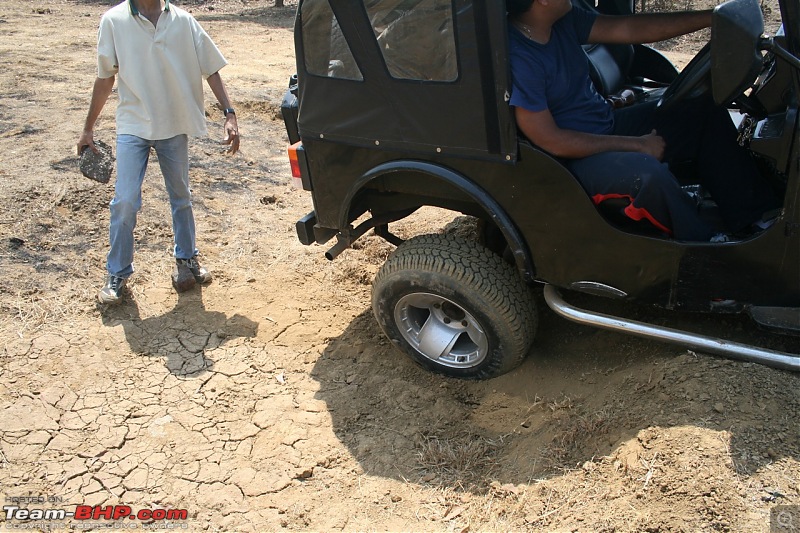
[[160, 70]]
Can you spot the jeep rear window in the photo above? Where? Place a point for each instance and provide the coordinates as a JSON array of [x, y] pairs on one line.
[[416, 38], [325, 49]]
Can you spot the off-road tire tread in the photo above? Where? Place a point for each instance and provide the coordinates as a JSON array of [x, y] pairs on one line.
[[476, 270]]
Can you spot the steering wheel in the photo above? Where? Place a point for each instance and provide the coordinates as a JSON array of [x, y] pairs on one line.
[[693, 80]]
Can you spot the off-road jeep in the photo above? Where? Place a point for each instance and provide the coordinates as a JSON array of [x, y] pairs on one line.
[[399, 104]]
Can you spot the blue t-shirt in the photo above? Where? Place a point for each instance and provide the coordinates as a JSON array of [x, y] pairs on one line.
[[555, 76]]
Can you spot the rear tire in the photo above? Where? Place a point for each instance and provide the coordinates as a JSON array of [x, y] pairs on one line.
[[454, 307]]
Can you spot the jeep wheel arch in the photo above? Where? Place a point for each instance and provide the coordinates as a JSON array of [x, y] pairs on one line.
[[489, 209]]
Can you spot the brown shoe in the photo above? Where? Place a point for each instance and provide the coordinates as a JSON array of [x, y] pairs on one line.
[[187, 273], [182, 277], [201, 275]]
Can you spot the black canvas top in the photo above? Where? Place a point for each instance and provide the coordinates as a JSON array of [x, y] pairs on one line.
[[423, 76]]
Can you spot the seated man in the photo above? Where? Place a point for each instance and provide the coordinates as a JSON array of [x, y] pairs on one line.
[[625, 156]]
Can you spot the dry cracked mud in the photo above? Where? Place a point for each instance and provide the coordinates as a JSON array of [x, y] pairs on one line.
[[269, 400]]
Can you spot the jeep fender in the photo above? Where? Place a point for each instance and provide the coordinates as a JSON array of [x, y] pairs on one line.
[[465, 186]]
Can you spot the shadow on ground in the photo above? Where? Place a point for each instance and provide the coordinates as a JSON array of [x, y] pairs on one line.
[[582, 394], [182, 335]]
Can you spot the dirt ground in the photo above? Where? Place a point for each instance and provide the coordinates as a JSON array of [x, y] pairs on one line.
[[270, 400]]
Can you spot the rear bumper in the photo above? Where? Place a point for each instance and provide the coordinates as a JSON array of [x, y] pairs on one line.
[[308, 232]]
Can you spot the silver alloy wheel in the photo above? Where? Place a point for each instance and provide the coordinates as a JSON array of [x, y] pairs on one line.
[[441, 330]]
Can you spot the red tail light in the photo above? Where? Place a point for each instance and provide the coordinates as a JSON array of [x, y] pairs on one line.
[[293, 160]]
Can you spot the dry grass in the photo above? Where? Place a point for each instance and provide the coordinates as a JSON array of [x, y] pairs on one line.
[[578, 438], [465, 459], [27, 313]]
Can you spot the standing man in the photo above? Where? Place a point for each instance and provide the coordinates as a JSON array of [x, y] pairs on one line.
[[161, 55], [557, 107]]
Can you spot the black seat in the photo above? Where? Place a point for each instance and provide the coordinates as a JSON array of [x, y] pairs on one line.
[[609, 66], [614, 67]]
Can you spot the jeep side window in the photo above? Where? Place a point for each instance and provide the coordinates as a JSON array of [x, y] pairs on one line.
[[416, 38], [326, 50]]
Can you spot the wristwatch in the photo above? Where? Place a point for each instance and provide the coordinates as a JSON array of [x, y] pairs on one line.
[[228, 110]]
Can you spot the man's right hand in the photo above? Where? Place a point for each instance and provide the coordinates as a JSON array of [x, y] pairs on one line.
[[653, 144], [100, 92], [86, 139]]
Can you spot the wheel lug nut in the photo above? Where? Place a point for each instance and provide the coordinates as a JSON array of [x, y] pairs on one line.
[[464, 323], [446, 320], [437, 306]]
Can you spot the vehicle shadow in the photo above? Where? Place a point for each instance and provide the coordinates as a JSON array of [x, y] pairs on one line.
[[183, 336], [581, 395]]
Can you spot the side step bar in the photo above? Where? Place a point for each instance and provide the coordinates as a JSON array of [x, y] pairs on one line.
[[732, 350]]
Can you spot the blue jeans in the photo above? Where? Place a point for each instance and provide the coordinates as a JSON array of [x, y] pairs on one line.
[[653, 192], [132, 156], [696, 131]]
